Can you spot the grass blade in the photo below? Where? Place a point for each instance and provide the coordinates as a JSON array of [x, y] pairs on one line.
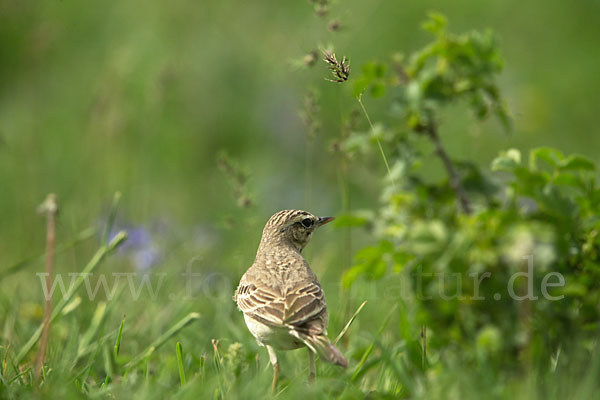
[[343, 331], [101, 253], [218, 364], [98, 342], [357, 370], [397, 366], [4, 366], [191, 317], [2, 380], [19, 376], [94, 325], [118, 343], [108, 365], [111, 217], [180, 363], [87, 340]]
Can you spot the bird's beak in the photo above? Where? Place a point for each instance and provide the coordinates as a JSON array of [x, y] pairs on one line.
[[324, 220]]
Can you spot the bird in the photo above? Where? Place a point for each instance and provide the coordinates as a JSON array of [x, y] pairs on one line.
[[281, 298]]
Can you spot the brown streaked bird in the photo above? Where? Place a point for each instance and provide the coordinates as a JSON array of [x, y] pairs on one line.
[[281, 298]]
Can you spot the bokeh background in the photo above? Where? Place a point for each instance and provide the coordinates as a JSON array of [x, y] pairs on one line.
[[145, 97], [141, 96]]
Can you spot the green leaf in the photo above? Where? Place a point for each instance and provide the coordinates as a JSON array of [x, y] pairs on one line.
[[377, 89], [401, 259], [502, 114], [507, 160], [360, 84], [374, 70], [378, 132], [352, 274], [569, 180], [413, 93], [356, 142], [552, 156], [436, 23], [373, 75], [556, 203], [528, 181], [368, 253], [576, 162], [428, 237], [376, 270], [379, 70], [369, 262]]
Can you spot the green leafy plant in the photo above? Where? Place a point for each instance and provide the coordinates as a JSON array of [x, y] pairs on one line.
[[502, 260]]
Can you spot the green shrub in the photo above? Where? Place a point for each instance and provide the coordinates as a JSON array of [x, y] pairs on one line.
[[501, 260]]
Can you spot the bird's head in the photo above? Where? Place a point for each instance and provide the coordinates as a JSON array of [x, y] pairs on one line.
[[292, 226]]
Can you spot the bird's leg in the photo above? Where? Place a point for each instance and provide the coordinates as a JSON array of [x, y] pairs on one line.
[[275, 375], [275, 363], [311, 366]]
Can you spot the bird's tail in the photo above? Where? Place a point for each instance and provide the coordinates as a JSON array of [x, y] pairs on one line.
[[321, 345]]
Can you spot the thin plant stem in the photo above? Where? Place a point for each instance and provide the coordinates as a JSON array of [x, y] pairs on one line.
[[100, 254], [387, 165], [431, 130], [308, 172], [50, 208], [423, 346]]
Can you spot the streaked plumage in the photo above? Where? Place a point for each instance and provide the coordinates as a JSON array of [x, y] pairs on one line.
[[280, 296]]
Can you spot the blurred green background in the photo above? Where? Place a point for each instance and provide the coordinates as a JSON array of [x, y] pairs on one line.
[[141, 97]]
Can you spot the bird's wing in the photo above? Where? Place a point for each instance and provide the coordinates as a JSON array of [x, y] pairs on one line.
[[295, 307], [260, 302], [304, 305]]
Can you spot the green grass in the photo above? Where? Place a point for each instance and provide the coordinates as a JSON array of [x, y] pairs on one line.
[[94, 351]]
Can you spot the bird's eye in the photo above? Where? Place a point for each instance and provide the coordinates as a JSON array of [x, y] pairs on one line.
[[307, 222]]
